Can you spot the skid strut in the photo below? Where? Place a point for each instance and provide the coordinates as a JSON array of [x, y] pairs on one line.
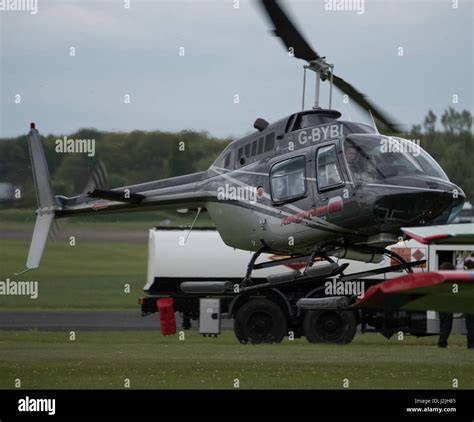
[[250, 267]]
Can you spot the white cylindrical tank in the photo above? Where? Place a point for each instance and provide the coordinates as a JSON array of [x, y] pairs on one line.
[[174, 254]]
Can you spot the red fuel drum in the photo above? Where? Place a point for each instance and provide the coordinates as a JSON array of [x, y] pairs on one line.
[[167, 320]]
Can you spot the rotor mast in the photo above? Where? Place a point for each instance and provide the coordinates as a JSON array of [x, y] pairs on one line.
[[323, 71]]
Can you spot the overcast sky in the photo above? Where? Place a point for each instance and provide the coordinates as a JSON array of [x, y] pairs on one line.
[[228, 52]]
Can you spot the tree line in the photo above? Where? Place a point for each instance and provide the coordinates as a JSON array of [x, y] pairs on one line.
[[129, 158]]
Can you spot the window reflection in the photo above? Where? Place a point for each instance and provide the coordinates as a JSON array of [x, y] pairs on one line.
[[328, 173], [288, 179]]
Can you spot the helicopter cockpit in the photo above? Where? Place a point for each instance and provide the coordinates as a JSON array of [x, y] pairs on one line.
[[376, 159]]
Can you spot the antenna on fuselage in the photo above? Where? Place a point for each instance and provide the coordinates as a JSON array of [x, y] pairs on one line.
[[373, 123]]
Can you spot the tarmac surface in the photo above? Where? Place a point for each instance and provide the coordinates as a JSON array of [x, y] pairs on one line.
[[87, 321]]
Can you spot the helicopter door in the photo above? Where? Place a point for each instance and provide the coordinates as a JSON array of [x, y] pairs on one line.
[[330, 185], [290, 195]]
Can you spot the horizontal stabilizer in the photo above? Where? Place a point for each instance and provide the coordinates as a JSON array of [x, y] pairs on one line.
[[116, 195]]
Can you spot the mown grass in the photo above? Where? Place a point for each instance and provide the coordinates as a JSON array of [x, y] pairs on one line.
[[89, 275], [149, 360]]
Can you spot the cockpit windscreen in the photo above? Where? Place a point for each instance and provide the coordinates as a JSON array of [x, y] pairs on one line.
[[374, 159]]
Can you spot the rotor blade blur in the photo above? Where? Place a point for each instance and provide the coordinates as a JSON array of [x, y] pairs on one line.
[[292, 38], [288, 32], [364, 102]]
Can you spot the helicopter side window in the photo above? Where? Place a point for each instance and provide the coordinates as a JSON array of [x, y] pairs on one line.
[[327, 168], [269, 142], [254, 148], [260, 146], [247, 150], [287, 179], [240, 156]]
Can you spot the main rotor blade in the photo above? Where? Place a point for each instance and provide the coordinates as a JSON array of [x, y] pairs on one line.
[[292, 38], [364, 102], [288, 32]]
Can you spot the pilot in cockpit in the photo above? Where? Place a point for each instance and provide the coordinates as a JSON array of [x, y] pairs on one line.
[[352, 161], [358, 170]]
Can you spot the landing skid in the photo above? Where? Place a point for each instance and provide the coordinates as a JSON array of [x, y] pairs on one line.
[[320, 272], [247, 281], [310, 274]]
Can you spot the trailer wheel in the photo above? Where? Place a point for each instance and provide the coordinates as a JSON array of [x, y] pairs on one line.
[[330, 326], [260, 321]]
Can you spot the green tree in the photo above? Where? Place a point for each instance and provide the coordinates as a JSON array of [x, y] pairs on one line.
[[429, 123]]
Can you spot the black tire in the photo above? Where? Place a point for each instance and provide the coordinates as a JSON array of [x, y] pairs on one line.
[[330, 326], [260, 321]]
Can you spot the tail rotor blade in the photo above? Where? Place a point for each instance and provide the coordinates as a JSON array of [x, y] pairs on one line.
[[98, 178]]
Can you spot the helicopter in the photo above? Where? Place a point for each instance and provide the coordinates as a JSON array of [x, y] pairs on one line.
[[308, 186]]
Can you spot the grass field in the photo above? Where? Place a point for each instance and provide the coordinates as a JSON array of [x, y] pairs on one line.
[[149, 360], [90, 275]]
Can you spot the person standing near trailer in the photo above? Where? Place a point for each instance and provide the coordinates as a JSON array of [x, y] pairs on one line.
[[445, 319], [470, 330], [469, 266]]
